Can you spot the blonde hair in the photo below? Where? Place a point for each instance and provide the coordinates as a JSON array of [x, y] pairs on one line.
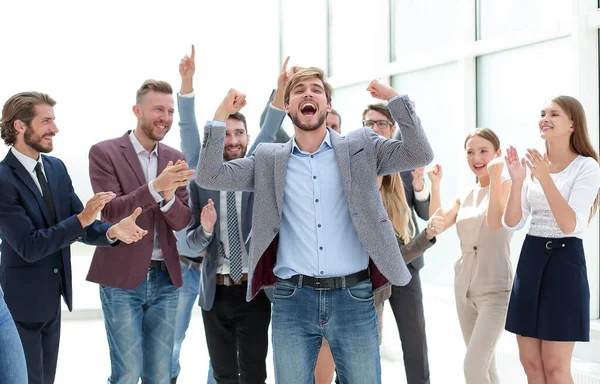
[[394, 202], [302, 75]]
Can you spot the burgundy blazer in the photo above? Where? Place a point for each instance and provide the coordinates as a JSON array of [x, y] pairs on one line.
[[115, 167]]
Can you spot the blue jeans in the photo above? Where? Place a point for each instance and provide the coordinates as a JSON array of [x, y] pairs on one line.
[[188, 293], [346, 317], [140, 327], [13, 368]]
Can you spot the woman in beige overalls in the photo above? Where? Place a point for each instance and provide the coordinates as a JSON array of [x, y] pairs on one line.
[[483, 274]]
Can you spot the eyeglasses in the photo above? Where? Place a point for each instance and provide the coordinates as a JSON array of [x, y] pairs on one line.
[[380, 123]]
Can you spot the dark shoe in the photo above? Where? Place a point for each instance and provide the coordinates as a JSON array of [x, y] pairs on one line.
[[174, 380]]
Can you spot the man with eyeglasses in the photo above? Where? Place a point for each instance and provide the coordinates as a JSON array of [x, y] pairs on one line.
[[407, 301]]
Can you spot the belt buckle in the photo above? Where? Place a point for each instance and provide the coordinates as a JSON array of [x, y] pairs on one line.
[[227, 281], [318, 285]]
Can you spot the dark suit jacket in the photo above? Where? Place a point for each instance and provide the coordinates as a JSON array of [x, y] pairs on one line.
[[33, 251], [421, 208], [115, 167]]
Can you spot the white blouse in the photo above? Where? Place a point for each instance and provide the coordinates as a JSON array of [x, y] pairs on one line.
[[578, 184]]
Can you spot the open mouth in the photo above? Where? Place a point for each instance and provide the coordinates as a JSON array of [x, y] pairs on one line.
[[308, 109], [546, 128], [479, 167]]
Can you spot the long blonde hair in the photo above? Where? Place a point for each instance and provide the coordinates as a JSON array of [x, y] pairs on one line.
[[394, 202]]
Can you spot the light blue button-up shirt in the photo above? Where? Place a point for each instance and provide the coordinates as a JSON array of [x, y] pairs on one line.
[[317, 237]]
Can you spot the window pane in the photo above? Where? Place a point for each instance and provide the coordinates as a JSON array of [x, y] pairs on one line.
[[304, 27], [359, 35], [350, 102], [498, 17], [511, 89], [420, 26], [437, 111]]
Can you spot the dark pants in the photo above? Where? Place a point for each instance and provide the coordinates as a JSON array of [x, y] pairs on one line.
[[407, 305], [40, 343], [237, 335]]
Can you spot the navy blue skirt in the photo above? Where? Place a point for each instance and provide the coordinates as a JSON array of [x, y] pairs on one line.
[[550, 298]]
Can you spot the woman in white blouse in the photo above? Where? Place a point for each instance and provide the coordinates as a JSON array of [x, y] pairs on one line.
[[549, 303]]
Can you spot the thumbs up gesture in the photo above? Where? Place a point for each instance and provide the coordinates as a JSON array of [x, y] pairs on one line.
[[127, 230], [435, 225]]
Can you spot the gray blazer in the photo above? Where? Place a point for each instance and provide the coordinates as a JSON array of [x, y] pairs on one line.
[[195, 239], [361, 155]]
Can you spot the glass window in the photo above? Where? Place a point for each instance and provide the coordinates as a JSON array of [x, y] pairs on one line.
[[359, 36], [433, 92], [511, 89], [304, 31], [420, 26], [498, 17], [350, 102]]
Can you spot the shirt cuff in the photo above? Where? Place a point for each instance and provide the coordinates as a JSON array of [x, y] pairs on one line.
[[157, 197], [111, 241], [215, 123], [275, 108], [165, 208], [207, 234], [188, 95], [422, 195]]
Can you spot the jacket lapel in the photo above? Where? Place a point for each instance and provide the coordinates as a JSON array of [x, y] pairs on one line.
[[25, 177], [281, 159], [51, 177], [132, 158], [340, 146]]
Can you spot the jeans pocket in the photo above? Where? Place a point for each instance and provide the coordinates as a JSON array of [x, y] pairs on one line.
[[361, 292], [284, 290]]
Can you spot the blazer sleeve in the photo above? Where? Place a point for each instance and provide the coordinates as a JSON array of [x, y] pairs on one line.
[[214, 174], [103, 179], [196, 238], [29, 242], [412, 151], [415, 247], [188, 130], [270, 127]]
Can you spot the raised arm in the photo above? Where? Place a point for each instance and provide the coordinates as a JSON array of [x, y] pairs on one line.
[[213, 173], [449, 214], [423, 240], [413, 150], [498, 194], [275, 110], [517, 206], [188, 127], [420, 193]]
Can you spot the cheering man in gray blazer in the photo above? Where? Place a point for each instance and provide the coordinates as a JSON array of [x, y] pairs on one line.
[[320, 233]]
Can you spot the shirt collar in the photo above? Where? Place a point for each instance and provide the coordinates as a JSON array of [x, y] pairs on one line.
[[27, 161], [138, 146], [326, 143]]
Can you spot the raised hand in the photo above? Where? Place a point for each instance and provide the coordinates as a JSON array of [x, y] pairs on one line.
[[93, 207], [538, 164], [495, 167], [173, 177], [232, 103], [435, 174], [127, 230], [208, 216], [435, 224], [187, 65], [418, 179], [381, 90], [284, 77], [515, 166]]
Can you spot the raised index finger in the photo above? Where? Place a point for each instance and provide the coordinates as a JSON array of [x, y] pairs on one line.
[[285, 63], [193, 52]]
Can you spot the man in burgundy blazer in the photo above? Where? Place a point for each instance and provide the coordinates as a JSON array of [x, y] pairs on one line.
[[138, 282]]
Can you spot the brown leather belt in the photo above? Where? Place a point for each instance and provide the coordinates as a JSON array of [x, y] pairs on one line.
[[226, 280]]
